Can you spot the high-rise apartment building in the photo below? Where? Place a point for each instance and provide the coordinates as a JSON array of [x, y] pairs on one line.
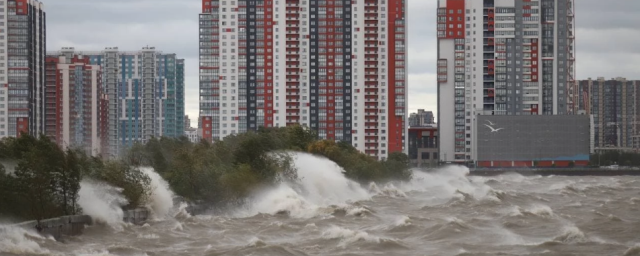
[[336, 66], [143, 95], [615, 107], [421, 118], [73, 109], [22, 56], [501, 57]]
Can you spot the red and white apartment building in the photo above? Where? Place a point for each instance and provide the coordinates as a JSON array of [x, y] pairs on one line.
[[336, 66], [501, 57], [76, 115], [22, 55]]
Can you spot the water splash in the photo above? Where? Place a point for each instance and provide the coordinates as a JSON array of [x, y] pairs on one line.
[[450, 182], [571, 235], [102, 202], [161, 201], [15, 240], [348, 236], [321, 183]]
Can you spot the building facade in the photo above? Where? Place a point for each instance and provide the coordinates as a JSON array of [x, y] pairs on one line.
[[501, 57], [187, 122], [534, 140], [192, 134], [421, 119], [143, 94], [23, 45], [73, 99], [423, 146], [338, 67], [615, 106]]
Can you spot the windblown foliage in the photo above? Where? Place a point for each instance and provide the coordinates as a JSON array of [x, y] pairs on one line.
[[43, 181], [227, 171]]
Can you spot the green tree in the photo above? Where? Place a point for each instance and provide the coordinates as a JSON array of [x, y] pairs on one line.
[[69, 181], [38, 176], [135, 184]]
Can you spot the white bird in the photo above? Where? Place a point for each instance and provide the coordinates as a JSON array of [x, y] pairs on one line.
[[490, 122], [493, 129]]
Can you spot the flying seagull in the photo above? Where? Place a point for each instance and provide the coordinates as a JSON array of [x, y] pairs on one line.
[[493, 129], [490, 122]]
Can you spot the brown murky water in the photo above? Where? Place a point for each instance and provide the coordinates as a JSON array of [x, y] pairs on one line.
[[444, 213]]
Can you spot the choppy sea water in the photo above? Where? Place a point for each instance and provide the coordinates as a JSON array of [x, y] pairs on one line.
[[438, 213]]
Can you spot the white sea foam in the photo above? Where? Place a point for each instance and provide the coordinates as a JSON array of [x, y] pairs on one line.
[[571, 235], [161, 200], [402, 221], [102, 202], [348, 236], [450, 182], [15, 240], [321, 184]]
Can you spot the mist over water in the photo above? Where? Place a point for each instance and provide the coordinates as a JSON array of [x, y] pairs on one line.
[[444, 212]]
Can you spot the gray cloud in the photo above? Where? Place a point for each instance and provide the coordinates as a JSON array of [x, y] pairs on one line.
[[607, 33], [607, 14]]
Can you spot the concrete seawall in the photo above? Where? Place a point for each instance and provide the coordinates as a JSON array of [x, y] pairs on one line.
[[58, 227], [136, 216], [74, 225]]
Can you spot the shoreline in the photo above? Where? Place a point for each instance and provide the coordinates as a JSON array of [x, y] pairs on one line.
[[74, 225], [556, 172]]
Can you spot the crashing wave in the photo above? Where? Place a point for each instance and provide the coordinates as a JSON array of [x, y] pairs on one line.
[[15, 240], [321, 184], [633, 251], [348, 236], [571, 235]]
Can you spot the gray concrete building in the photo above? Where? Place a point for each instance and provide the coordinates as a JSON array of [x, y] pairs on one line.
[[421, 118]]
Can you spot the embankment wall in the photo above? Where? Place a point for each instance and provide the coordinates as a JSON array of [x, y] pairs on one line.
[[58, 227], [75, 224]]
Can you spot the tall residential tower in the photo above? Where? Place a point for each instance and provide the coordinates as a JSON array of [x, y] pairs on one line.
[[501, 57], [73, 94], [22, 57], [336, 66], [615, 106], [142, 95]]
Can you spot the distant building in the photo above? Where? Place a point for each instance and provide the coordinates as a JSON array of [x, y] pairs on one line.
[[187, 122], [74, 96], [145, 94], [421, 119], [615, 106], [192, 134], [22, 67], [423, 146], [104, 123]]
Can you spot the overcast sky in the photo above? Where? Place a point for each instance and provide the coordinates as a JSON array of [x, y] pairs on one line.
[[608, 33]]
